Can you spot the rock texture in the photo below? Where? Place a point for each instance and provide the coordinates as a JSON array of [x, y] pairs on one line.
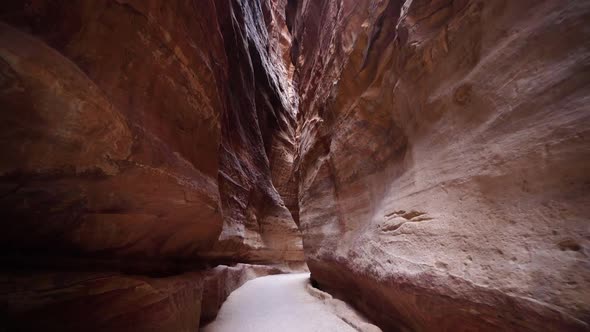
[[258, 133], [434, 154], [100, 301], [91, 168], [443, 160], [143, 129], [141, 139]]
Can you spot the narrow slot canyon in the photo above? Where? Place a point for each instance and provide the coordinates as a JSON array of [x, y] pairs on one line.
[[294, 165]]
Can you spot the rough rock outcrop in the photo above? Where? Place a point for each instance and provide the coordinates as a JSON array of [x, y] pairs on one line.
[[443, 160]]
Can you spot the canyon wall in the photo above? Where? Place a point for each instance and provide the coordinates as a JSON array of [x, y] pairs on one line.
[[111, 301], [433, 154], [143, 137], [443, 160]]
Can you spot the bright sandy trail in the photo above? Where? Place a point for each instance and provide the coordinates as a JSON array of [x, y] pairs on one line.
[[279, 303]]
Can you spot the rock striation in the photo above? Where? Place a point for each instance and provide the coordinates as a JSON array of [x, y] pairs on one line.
[[442, 160], [258, 130], [430, 156], [103, 301], [141, 140], [147, 129]]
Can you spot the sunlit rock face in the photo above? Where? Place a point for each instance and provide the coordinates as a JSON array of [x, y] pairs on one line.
[[443, 160]]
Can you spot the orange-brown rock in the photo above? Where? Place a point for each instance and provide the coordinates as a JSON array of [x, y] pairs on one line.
[[78, 301], [126, 186], [443, 160], [121, 117], [258, 142], [108, 301], [145, 138], [433, 153]]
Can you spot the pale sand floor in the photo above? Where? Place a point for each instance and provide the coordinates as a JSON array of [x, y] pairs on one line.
[[281, 303]]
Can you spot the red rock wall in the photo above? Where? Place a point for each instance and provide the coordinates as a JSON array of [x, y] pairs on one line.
[[432, 152], [443, 160], [146, 138], [142, 129], [258, 137], [109, 301]]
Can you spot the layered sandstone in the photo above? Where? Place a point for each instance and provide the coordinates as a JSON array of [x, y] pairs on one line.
[[148, 138], [131, 127], [432, 152], [258, 130], [107, 301], [443, 160]]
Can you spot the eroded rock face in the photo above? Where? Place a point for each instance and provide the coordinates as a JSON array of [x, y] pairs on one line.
[[88, 301], [258, 142], [142, 129], [145, 138], [443, 160], [102, 301], [437, 165]]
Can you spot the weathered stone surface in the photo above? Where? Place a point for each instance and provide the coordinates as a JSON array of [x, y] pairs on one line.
[[123, 117], [141, 137], [153, 200], [69, 178], [258, 138], [78, 301], [108, 301], [437, 163], [443, 160]]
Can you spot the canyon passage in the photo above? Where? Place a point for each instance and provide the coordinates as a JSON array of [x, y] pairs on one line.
[[312, 165]]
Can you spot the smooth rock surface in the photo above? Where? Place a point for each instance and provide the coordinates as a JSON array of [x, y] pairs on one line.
[[443, 160], [434, 155], [136, 129], [101, 301], [141, 140]]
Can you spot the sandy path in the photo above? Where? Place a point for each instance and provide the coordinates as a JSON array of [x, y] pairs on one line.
[[279, 303]]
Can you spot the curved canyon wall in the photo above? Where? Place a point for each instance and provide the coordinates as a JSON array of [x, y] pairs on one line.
[[144, 137], [443, 160], [432, 153], [150, 103]]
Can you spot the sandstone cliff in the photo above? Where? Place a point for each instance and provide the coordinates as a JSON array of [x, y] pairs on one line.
[[121, 116], [143, 137], [443, 160], [432, 155]]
